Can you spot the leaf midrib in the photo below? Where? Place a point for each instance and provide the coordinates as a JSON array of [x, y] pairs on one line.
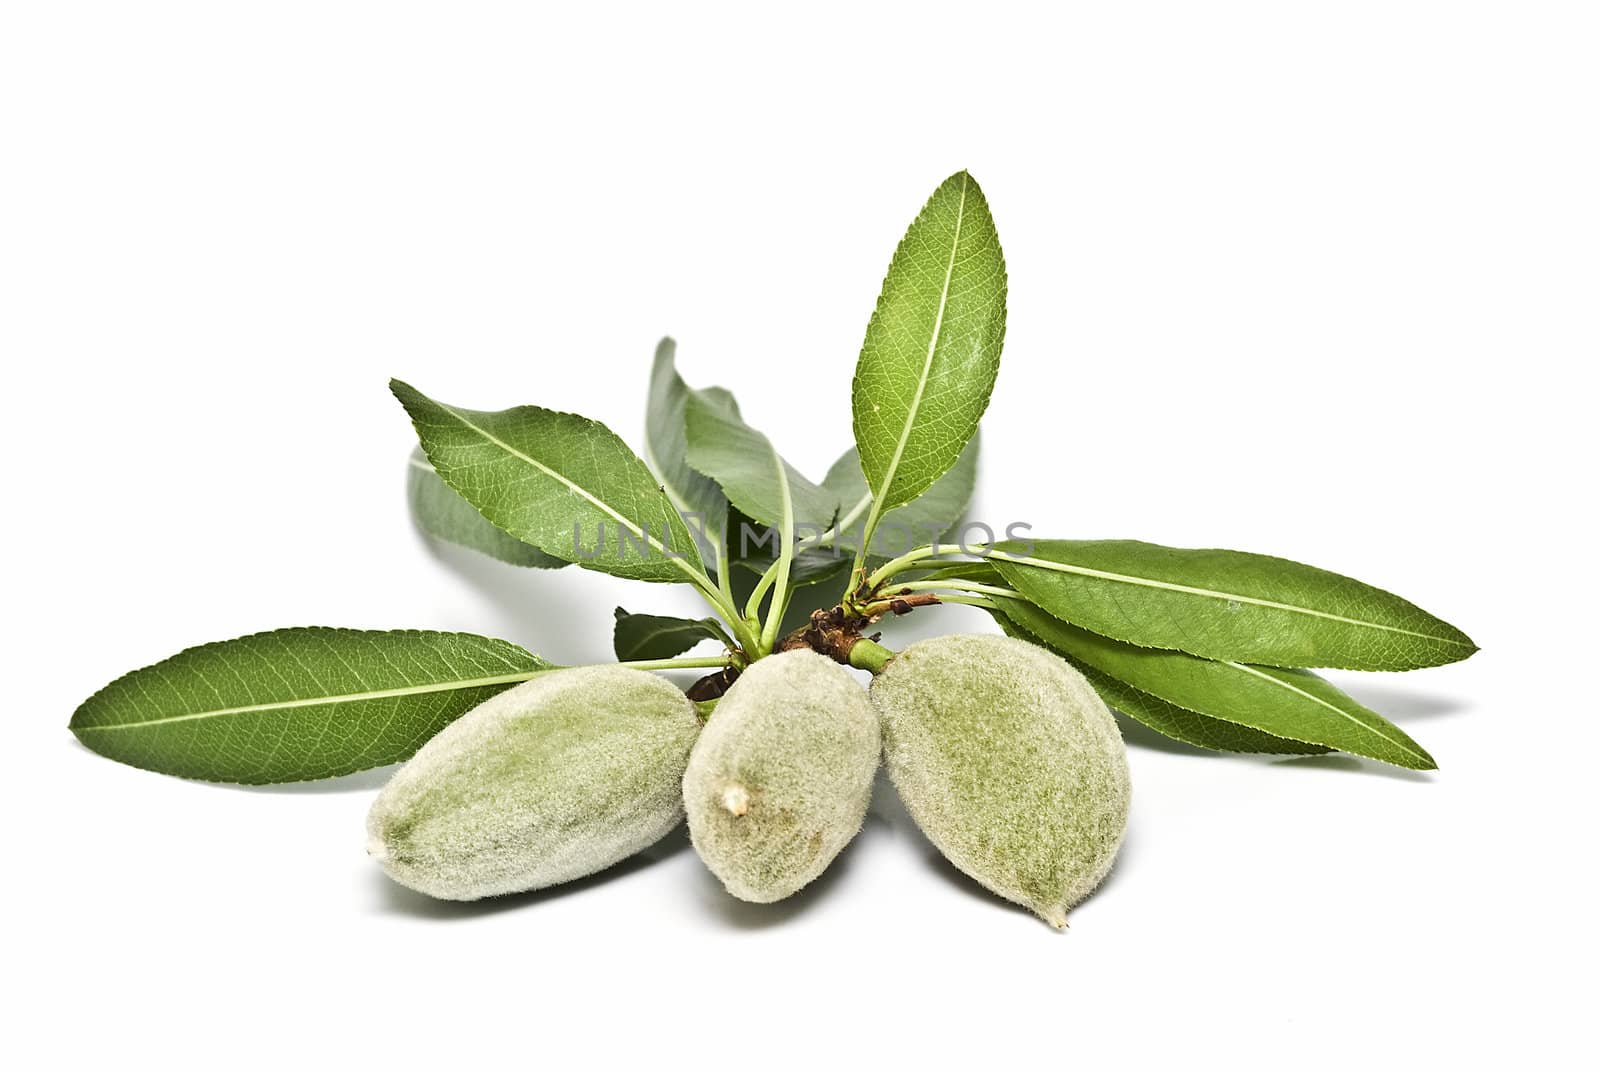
[[1374, 730], [1410, 749], [325, 700], [1184, 589], [672, 491], [785, 497], [656, 632], [680, 563], [933, 346]]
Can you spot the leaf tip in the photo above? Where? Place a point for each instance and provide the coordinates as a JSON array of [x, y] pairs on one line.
[[1421, 760]]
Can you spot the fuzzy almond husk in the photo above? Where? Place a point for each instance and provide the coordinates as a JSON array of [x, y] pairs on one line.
[[554, 779], [781, 776], [1009, 762]]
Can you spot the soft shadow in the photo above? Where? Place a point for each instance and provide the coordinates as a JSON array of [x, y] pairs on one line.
[[361, 781], [885, 809], [741, 915], [1136, 734], [1352, 764], [396, 899], [1400, 704], [947, 871], [1118, 866], [888, 810], [522, 597]]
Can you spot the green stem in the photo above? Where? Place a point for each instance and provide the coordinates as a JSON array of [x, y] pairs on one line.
[[858, 567], [746, 639], [909, 560], [720, 598], [724, 580], [743, 632], [958, 585], [782, 611], [780, 590], [970, 600], [780, 594], [870, 656], [720, 595], [709, 662], [752, 605]]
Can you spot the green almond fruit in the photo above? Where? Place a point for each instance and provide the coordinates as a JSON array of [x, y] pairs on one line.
[[781, 776], [554, 779], [1009, 762]]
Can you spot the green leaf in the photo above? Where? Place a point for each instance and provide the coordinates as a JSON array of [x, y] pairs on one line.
[[560, 482], [745, 464], [1191, 728], [1228, 605], [927, 519], [1183, 725], [667, 448], [443, 514], [297, 704], [809, 566], [642, 636], [1289, 703], [932, 349]]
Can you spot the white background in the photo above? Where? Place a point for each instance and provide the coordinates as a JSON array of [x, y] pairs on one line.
[[1315, 284]]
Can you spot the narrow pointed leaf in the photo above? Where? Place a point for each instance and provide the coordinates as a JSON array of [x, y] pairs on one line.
[[298, 704], [1291, 703], [1186, 726], [641, 636], [1228, 605], [443, 514], [924, 520], [666, 449], [748, 468], [932, 348], [560, 482]]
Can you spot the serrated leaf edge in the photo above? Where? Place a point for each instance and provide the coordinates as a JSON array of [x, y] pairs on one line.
[[1184, 589], [481, 682]]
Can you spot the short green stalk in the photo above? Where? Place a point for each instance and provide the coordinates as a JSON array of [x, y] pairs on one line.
[[708, 662], [870, 656], [982, 601], [919, 554], [780, 588], [970, 586]]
